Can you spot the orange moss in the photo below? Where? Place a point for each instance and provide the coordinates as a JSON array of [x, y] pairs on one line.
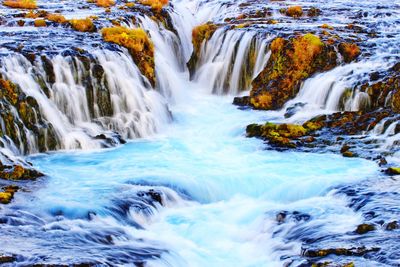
[[277, 44], [83, 25], [8, 89], [291, 62], [129, 5], [105, 3], [58, 18], [156, 5], [40, 23], [201, 33], [326, 26], [349, 51], [139, 45], [31, 15], [294, 11], [26, 4]]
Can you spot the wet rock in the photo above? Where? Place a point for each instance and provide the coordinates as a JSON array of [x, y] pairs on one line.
[[349, 51], [18, 172], [290, 111], [7, 258], [393, 171], [348, 154], [280, 135], [392, 226], [356, 251], [292, 61], [139, 45], [6, 195], [293, 11], [154, 195], [314, 12], [296, 216], [241, 101], [364, 228], [200, 34]]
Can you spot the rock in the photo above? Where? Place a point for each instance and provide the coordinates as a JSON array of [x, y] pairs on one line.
[[7, 195], [364, 228], [280, 135], [241, 101], [349, 51], [292, 61], [139, 45], [7, 258], [83, 25], [18, 172], [314, 12], [393, 171], [294, 11], [292, 110], [392, 226], [357, 251], [348, 154]]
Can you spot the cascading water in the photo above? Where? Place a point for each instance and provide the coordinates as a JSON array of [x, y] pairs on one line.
[[196, 194], [119, 103], [230, 60]]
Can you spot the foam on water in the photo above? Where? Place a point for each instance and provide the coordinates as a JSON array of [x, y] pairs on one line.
[[230, 188]]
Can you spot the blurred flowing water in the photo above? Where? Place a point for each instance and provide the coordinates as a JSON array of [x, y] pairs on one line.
[[193, 190]]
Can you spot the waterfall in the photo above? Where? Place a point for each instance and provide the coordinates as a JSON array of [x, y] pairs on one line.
[[230, 60], [334, 90], [84, 109]]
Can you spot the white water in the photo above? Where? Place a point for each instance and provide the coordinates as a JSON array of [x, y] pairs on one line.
[[137, 111], [223, 60], [232, 220], [222, 190]]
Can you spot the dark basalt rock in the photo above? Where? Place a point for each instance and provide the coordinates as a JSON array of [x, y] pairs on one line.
[[364, 228], [243, 101], [392, 226], [296, 216], [356, 251], [7, 259]]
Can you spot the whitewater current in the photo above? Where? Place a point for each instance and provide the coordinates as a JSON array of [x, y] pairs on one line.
[[191, 189]]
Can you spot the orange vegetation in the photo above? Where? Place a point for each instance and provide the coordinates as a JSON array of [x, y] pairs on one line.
[[40, 23], [56, 18], [83, 25], [201, 33], [105, 3], [27, 4], [294, 11], [349, 51], [139, 45], [155, 4]]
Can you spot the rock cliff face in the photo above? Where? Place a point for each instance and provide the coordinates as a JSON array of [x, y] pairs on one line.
[[292, 61]]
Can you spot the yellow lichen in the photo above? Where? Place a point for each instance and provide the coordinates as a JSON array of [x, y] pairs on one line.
[[82, 25], [202, 33], [139, 45], [8, 89], [105, 3], [26, 4], [156, 5], [58, 18], [294, 11], [40, 23]]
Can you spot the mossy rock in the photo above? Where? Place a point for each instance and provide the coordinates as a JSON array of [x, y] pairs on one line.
[[292, 61]]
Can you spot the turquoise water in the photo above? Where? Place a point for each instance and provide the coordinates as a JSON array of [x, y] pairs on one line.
[[220, 191]]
